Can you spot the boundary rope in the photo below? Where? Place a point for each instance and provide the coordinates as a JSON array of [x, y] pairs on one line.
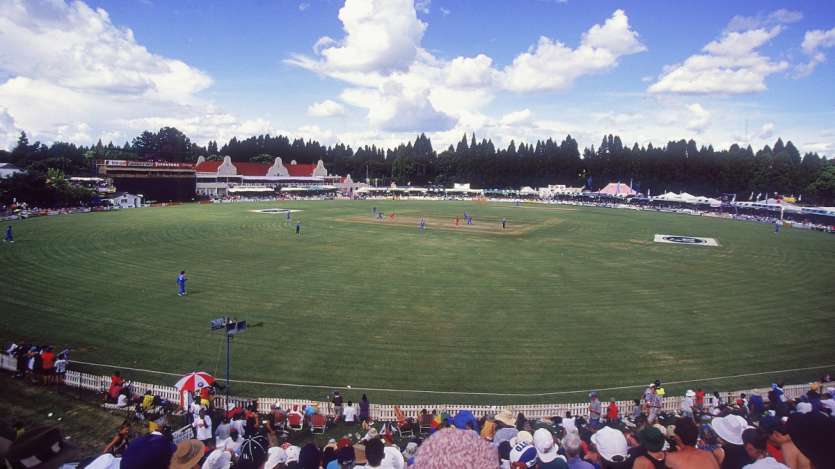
[[464, 393]]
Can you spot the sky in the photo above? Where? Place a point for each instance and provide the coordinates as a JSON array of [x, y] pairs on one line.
[[383, 71]]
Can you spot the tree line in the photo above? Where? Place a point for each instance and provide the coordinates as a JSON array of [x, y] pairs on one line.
[[680, 165]]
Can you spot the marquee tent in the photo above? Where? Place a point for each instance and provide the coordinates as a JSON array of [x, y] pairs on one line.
[[617, 189]]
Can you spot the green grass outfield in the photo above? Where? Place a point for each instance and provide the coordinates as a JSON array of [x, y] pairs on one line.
[[565, 299]]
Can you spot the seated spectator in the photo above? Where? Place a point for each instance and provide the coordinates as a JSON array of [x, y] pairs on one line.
[[652, 445], [120, 441], [276, 458], [393, 457], [222, 431], [345, 457], [610, 445], [219, 458], [451, 448], [151, 451], [310, 457], [187, 455], [505, 427], [253, 453], [755, 443], [572, 446], [122, 401], [729, 429], [687, 455], [522, 455], [814, 435], [547, 452], [234, 441]]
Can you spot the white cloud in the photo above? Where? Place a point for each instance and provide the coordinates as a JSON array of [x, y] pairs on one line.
[[304, 6], [74, 75], [551, 65], [731, 65], [423, 6], [762, 20], [8, 130], [396, 108], [766, 131], [516, 117], [380, 35], [813, 42], [445, 11], [470, 71], [326, 108], [699, 118]]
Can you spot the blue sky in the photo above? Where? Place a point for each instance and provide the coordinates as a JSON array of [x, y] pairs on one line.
[[389, 69]]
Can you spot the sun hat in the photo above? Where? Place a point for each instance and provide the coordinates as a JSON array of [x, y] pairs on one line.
[[546, 447], [187, 454], [292, 453], [461, 449], [506, 417], [523, 437], [611, 444], [343, 443], [690, 393], [651, 439], [219, 459], [730, 428], [275, 456], [523, 453], [253, 453]]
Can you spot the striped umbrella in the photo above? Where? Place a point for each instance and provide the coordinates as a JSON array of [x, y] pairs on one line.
[[194, 381]]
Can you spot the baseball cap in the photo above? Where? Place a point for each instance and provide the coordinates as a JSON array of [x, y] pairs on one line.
[[611, 444], [523, 436], [524, 453], [150, 451], [651, 438], [803, 407], [545, 445]]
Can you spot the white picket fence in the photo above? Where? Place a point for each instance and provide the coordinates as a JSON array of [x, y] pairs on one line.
[[385, 412]]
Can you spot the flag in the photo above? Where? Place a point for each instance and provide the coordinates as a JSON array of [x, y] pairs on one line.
[[649, 192], [751, 197]]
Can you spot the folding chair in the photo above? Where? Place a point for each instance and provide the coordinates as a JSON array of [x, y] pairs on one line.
[[425, 423], [318, 423], [295, 419], [404, 426]]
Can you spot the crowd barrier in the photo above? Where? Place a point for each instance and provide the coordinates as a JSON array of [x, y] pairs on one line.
[[386, 412]]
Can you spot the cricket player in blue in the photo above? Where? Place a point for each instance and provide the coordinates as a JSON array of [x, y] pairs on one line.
[[299, 228], [288, 217], [777, 224], [9, 237], [181, 283], [504, 223], [422, 223]]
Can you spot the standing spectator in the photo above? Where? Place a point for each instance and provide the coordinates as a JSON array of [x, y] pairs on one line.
[[365, 409], [222, 431], [48, 364], [9, 235], [203, 427], [505, 427], [636, 410], [349, 414], [654, 405], [337, 406], [755, 445], [687, 404], [612, 411], [700, 400], [687, 455], [595, 410]]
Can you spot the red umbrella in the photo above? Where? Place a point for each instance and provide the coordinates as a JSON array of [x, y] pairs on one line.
[[194, 381]]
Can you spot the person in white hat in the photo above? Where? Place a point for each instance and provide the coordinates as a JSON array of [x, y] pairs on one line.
[[275, 456], [220, 458], [293, 453], [546, 450], [105, 461], [729, 430], [611, 446], [687, 404]]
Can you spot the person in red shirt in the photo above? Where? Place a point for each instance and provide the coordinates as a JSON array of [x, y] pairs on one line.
[[116, 383], [700, 400], [48, 365], [612, 411]]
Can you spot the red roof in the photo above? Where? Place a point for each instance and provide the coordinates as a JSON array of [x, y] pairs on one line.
[[208, 167], [257, 169], [299, 170]]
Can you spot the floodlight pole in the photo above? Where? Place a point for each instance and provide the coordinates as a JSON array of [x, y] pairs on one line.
[[228, 362]]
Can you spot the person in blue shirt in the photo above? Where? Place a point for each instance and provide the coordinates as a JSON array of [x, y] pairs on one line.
[[299, 227], [181, 283], [9, 237], [288, 217], [422, 223]]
